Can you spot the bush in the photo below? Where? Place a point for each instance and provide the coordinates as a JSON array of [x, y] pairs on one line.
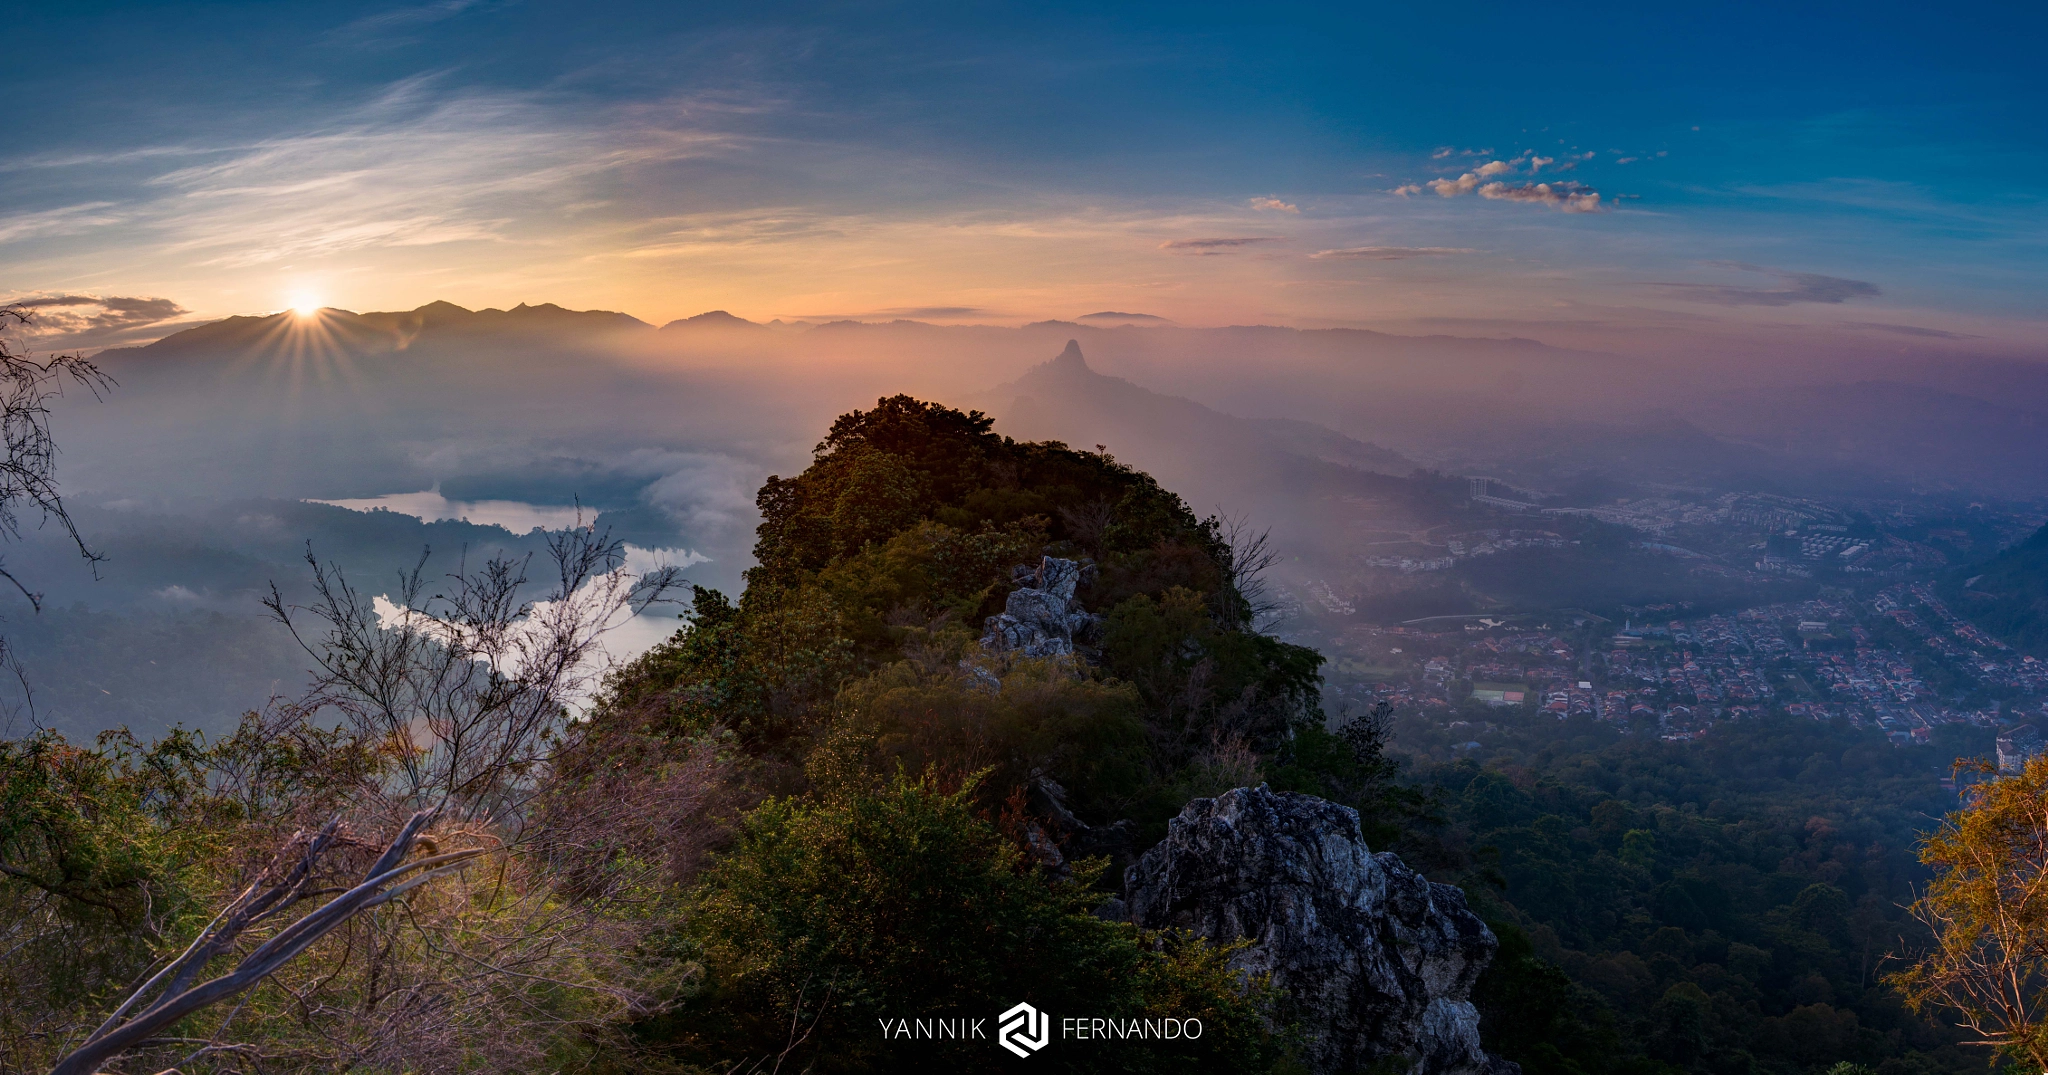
[[824, 920]]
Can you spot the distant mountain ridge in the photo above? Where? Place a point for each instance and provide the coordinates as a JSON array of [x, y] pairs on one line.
[[1514, 407], [383, 331]]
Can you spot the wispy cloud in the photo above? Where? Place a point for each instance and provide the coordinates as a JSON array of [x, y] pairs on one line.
[[1387, 253], [1794, 287], [400, 21], [66, 220], [1912, 330], [942, 312], [1217, 246], [1274, 205], [403, 171]]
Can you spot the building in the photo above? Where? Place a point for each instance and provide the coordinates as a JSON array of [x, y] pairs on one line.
[[1500, 693], [2017, 747]]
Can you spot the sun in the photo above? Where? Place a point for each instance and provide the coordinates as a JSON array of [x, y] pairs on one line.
[[305, 305]]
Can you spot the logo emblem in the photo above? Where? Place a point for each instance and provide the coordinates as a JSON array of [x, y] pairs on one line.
[[1024, 1030]]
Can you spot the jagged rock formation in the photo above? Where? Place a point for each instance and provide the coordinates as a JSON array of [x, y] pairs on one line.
[[1053, 835], [1041, 618], [1377, 962]]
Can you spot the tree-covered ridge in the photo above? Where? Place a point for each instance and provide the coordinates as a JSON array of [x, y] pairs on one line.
[[876, 568], [1721, 906], [2009, 595]]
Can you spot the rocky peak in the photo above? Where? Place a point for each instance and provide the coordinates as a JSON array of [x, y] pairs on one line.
[[1041, 617], [1070, 360], [1377, 962]]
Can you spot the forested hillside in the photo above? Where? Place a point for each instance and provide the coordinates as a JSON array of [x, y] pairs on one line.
[[855, 642], [2009, 596], [1723, 905]]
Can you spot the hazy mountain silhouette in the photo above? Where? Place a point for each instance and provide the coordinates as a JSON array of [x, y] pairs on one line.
[[1307, 482], [714, 321], [1064, 399], [1369, 400]]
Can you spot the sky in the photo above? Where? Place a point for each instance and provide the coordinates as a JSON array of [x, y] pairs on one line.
[[1608, 175]]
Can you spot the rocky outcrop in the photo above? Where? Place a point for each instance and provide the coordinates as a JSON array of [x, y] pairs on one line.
[[1041, 618], [1377, 962], [1053, 835]]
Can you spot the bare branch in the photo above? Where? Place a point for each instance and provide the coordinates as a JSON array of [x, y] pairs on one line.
[[385, 880]]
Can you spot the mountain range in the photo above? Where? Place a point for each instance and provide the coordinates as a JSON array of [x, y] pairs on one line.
[[1536, 414]]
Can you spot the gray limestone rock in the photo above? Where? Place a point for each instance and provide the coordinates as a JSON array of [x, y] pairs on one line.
[[1377, 962], [1041, 618]]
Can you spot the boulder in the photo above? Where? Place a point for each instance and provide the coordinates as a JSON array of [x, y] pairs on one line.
[[1376, 961], [1041, 618]]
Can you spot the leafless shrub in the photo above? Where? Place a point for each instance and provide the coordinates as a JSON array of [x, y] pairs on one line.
[[467, 690], [28, 456], [1368, 734], [1251, 555], [625, 808], [1088, 523]]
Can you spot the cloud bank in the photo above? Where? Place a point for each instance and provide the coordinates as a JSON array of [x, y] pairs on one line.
[[71, 321], [1795, 287]]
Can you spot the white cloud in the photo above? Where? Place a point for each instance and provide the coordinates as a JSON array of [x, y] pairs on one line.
[[1451, 188], [1275, 204], [710, 495], [1568, 197], [1493, 168]]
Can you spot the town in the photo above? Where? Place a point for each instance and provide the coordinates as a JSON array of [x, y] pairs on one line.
[[1847, 623]]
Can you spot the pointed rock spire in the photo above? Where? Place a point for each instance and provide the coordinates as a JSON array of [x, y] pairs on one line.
[[1070, 359]]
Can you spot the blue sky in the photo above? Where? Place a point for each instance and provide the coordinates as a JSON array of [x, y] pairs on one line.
[[1637, 172]]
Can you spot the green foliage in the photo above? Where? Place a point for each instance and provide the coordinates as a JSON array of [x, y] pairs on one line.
[[879, 563], [1531, 1010], [1205, 683], [902, 903], [70, 818], [114, 853], [1719, 906], [2009, 595], [109, 828], [935, 716], [878, 472]]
